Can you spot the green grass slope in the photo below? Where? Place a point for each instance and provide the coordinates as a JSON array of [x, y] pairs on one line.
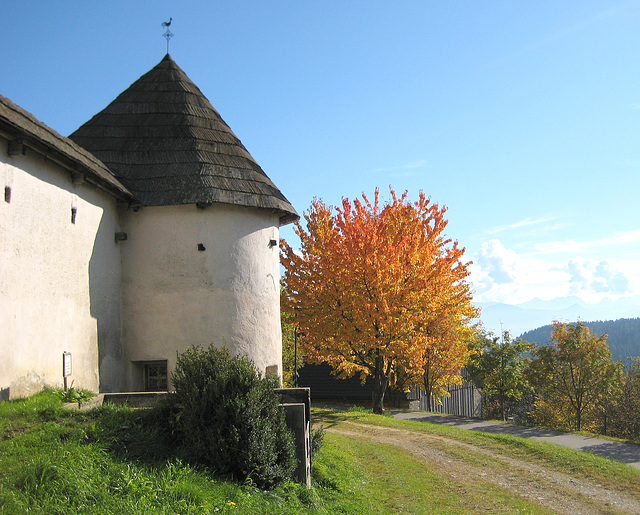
[[119, 460]]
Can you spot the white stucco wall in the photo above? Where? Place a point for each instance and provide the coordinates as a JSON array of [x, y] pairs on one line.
[[175, 296], [48, 304]]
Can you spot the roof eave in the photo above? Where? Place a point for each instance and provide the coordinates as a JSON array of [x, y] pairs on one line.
[[65, 153]]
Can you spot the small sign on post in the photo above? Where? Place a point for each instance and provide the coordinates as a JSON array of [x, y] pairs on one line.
[[66, 367]]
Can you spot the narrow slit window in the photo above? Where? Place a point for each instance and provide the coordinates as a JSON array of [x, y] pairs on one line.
[[7, 194], [74, 212]]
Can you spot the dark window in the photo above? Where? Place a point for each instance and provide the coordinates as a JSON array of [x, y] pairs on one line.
[[272, 370], [74, 211], [155, 376], [7, 193]]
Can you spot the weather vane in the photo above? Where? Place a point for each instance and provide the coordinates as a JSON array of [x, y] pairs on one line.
[[167, 33]]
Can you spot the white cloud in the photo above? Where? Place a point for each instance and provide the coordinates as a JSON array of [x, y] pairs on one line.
[[527, 222], [591, 276], [500, 274], [497, 263], [623, 238], [407, 167]]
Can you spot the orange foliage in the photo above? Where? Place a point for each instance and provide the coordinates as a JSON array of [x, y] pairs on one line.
[[447, 352], [373, 287]]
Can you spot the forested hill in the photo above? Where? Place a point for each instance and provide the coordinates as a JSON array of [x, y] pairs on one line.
[[623, 340]]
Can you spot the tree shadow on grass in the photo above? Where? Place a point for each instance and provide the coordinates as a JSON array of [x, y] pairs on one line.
[[332, 415], [327, 417], [143, 435]]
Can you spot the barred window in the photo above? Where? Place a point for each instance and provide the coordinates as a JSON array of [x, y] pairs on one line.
[[155, 376]]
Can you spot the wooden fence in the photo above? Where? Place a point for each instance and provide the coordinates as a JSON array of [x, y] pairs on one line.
[[464, 401]]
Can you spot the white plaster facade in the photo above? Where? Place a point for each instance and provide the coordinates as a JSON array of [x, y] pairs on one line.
[[60, 280], [70, 286], [183, 276]]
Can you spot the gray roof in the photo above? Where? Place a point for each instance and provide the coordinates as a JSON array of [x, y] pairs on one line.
[[25, 130], [165, 141]]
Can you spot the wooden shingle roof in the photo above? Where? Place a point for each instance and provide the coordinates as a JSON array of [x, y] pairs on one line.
[[165, 142], [24, 130]]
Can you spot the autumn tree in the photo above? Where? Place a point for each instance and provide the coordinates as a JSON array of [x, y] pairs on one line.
[[447, 352], [500, 365], [371, 284], [624, 408], [290, 358], [608, 401], [575, 372]]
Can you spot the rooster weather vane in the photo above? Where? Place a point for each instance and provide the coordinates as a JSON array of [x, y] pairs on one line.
[[167, 33]]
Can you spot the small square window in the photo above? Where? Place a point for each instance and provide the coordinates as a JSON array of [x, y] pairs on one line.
[[155, 376], [272, 371]]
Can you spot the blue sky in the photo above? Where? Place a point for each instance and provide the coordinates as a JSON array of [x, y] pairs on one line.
[[522, 118]]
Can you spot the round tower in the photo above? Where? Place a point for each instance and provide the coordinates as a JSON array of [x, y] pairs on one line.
[[200, 258]]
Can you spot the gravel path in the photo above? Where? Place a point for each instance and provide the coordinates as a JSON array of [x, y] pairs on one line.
[[556, 491], [625, 452]]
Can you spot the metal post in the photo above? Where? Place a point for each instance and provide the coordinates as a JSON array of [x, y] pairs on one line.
[[66, 367], [295, 357]]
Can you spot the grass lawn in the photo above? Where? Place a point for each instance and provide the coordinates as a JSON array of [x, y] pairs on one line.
[[117, 460]]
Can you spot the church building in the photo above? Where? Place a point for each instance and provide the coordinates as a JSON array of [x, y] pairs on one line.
[[148, 230]]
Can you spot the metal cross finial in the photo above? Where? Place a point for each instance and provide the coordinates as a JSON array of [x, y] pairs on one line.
[[167, 34]]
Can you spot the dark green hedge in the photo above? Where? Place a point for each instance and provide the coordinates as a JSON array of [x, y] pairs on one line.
[[228, 418]]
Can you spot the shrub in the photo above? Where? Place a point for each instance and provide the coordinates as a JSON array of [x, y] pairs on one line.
[[229, 419], [317, 439], [74, 394]]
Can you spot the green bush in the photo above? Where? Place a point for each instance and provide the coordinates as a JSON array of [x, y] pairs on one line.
[[74, 394], [317, 439], [229, 419]]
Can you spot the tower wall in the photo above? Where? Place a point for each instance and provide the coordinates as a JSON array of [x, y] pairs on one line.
[[199, 276]]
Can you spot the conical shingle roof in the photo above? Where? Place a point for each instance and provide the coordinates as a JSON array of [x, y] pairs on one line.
[[168, 145]]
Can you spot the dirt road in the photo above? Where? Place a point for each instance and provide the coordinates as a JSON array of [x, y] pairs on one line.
[[466, 463], [620, 451]]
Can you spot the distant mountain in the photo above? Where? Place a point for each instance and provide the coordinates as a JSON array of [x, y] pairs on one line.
[[557, 303], [623, 339], [520, 318]]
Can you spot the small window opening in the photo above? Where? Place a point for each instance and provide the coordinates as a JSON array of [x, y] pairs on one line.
[[155, 376], [7, 194], [74, 212], [271, 371]]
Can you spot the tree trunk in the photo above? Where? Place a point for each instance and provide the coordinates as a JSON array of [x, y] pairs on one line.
[[380, 383], [427, 390], [579, 409], [578, 419]]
